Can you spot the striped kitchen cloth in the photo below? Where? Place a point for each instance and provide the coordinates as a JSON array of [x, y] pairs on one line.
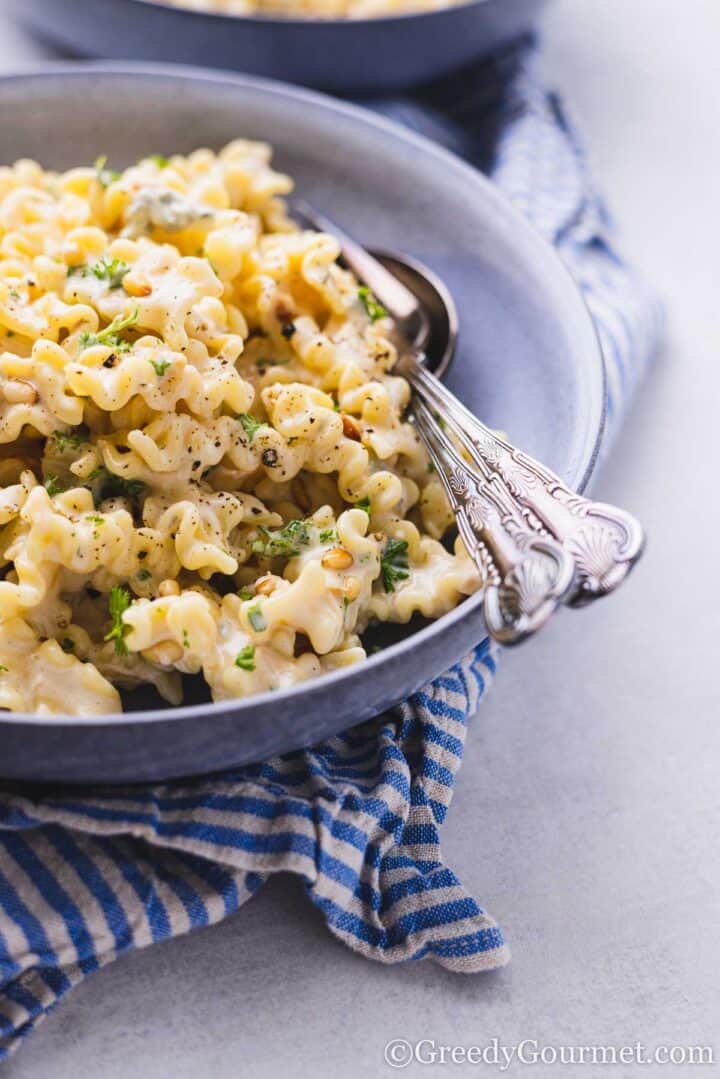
[[88, 875]]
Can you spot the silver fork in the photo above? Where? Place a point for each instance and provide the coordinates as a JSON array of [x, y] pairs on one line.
[[536, 542]]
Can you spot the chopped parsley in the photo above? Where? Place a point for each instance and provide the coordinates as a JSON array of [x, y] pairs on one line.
[[374, 309], [160, 160], [105, 175], [67, 644], [118, 602], [186, 639], [394, 564], [144, 575], [328, 535], [363, 504], [246, 594], [3, 669], [257, 619], [161, 366], [113, 486], [105, 269], [245, 659], [110, 336], [284, 543], [53, 486], [249, 424], [95, 518], [14, 294], [71, 440]]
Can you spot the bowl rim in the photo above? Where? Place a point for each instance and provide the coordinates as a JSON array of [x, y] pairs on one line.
[[296, 21], [594, 426]]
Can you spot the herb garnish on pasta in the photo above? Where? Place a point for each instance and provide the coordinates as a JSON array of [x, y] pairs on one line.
[[205, 465]]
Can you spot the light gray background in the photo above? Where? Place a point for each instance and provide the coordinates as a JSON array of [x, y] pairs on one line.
[[585, 816]]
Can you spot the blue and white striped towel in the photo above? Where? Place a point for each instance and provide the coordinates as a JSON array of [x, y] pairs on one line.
[[86, 876]]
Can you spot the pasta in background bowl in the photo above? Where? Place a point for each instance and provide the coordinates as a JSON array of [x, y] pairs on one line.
[[205, 467], [314, 9]]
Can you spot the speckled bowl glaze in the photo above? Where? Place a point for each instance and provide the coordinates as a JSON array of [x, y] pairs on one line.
[[358, 55], [528, 362]]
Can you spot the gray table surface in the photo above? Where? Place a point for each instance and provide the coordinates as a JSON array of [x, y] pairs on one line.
[[585, 816]]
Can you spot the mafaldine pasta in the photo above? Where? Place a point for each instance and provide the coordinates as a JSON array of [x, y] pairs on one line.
[[204, 467], [314, 9]]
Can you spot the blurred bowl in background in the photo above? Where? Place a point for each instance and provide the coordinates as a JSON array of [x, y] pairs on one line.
[[342, 55]]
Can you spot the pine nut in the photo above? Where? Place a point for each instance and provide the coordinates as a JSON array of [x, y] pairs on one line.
[[350, 427], [168, 588], [266, 585], [337, 558], [137, 284]]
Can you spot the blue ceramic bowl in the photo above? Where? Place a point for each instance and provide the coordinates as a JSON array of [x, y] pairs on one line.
[[361, 56], [528, 361]]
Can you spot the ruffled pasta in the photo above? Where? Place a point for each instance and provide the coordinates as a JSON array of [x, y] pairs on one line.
[[204, 465], [315, 9]]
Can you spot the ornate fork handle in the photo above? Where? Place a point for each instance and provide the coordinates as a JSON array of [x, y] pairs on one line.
[[526, 574], [603, 541]]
